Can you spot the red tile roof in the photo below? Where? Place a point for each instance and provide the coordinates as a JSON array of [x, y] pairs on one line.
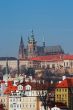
[[59, 57], [2, 81], [9, 89], [68, 57], [10, 83], [67, 83], [37, 86]]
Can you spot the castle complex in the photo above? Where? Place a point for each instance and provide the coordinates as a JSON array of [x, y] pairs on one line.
[[36, 56], [32, 49]]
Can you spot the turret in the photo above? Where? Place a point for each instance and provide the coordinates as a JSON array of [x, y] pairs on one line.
[[32, 48], [43, 42]]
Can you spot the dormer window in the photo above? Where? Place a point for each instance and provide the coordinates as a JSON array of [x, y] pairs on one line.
[[28, 87]]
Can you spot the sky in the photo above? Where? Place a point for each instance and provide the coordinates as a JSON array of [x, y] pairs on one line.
[[51, 19]]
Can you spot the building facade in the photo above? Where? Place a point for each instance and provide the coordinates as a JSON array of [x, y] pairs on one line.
[[64, 92]]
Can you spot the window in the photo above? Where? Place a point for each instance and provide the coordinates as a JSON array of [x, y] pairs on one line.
[[1, 100], [64, 63], [33, 92], [59, 90], [11, 100], [33, 105], [20, 99], [23, 105], [53, 65], [17, 106], [65, 96], [4, 100], [48, 66], [14, 105], [57, 96], [11, 106], [71, 64], [67, 63], [65, 90]]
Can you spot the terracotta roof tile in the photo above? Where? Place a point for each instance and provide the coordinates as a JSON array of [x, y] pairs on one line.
[[67, 83], [9, 89], [59, 57], [37, 86]]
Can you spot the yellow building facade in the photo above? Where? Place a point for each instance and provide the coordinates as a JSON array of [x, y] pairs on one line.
[[61, 95], [64, 92]]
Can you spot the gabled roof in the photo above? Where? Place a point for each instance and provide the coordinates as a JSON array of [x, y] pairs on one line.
[[10, 88], [37, 86], [67, 83], [54, 49]]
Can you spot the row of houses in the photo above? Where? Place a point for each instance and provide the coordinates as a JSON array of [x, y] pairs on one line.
[[36, 95], [50, 61]]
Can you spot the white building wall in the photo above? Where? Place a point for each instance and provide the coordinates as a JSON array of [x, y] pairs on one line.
[[11, 63], [14, 103], [24, 63], [23, 103]]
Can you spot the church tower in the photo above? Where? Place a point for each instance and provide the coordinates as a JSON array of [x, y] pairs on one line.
[[43, 42], [32, 48], [6, 76], [21, 54]]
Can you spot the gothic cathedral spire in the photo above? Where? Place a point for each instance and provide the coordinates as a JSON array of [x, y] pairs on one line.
[[21, 49]]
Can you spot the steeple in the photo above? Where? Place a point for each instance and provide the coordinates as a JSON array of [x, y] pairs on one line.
[[32, 34], [32, 48], [43, 41], [32, 39], [21, 49], [21, 42]]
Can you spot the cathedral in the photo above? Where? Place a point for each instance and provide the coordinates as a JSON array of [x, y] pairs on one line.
[[33, 49]]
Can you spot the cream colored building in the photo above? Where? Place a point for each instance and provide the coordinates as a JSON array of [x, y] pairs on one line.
[[5, 101], [12, 62], [23, 103]]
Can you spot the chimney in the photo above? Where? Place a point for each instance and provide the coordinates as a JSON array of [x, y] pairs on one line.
[[63, 77]]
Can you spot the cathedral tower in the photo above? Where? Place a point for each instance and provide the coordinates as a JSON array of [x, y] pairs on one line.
[[32, 48], [21, 54]]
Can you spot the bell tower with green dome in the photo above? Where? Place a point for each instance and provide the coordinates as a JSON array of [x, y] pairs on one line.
[[32, 48]]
